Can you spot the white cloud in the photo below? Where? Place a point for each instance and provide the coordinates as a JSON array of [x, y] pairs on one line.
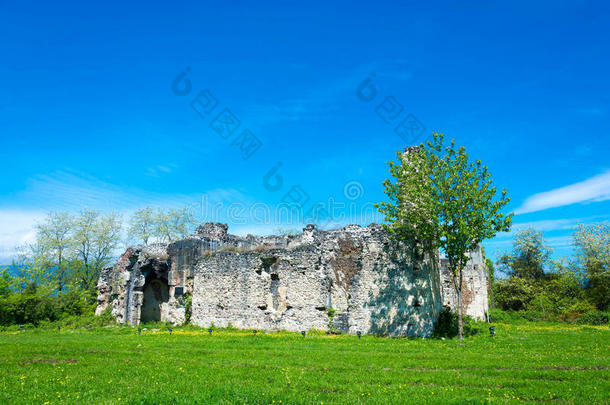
[[62, 191], [595, 189], [556, 224], [17, 229]]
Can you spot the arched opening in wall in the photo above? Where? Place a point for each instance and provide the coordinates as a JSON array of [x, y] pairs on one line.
[[155, 305]]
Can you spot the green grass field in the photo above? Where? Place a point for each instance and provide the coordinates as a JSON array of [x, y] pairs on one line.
[[532, 362]]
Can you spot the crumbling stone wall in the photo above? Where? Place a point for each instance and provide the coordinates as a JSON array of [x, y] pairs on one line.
[[350, 279], [122, 286], [474, 287], [345, 279]]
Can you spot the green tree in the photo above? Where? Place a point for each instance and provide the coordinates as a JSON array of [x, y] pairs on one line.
[[29, 275], [142, 225], [95, 238], [593, 256], [54, 239], [5, 283], [529, 256], [514, 293], [440, 199], [490, 269], [174, 224]]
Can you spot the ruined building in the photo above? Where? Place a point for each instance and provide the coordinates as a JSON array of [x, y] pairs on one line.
[[354, 279]]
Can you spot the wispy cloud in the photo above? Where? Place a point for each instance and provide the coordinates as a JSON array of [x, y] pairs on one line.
[[159, 170], [64, 191], [70, 191], [595, 189], [73, 191], [17, 229], [556, 224]]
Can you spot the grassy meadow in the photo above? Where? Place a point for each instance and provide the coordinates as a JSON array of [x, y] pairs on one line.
[[546, 363]]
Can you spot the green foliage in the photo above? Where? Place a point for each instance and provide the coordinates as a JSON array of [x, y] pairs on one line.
[[497, 315], [86, 321], [591, 317], [68, 250], [491, 279], [34, 306], [77, 302], [29, 276], [173, 224], [490, 269], [529, 256], [142, 225], [5, 283], [146, 225], [594, 318], [555, 294], [447, 325], [592, 244], [95, 236], [28, 308], [54, 244], [440, 196], [513, 293], [441, 199]]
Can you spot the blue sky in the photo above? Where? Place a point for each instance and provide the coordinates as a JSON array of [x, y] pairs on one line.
[[89, 118]]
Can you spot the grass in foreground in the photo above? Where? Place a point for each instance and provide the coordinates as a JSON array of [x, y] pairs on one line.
[[533, 362]]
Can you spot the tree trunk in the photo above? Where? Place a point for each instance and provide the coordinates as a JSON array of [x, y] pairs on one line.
[[460, 323], [457, 284], [60, 275]]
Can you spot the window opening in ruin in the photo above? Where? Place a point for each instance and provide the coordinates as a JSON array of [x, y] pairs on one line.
[[267, 262]]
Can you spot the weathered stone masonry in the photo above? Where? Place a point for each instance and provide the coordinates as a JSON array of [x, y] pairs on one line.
[[350, 279]]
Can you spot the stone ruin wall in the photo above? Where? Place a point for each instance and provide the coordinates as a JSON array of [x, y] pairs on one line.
[[351, 279], [122, 287], [475, 301]]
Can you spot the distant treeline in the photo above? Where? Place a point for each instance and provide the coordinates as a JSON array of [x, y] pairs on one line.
[[571, 289]]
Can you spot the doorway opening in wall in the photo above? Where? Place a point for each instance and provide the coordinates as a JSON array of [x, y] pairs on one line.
[[155, 305]]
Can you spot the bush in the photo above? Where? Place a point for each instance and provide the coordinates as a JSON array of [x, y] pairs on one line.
[[537, 316], [513, 293], [542, 303], [500, 316], [447, 325], [581, 307], [594, 318], [28, 308], [74, 302]]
